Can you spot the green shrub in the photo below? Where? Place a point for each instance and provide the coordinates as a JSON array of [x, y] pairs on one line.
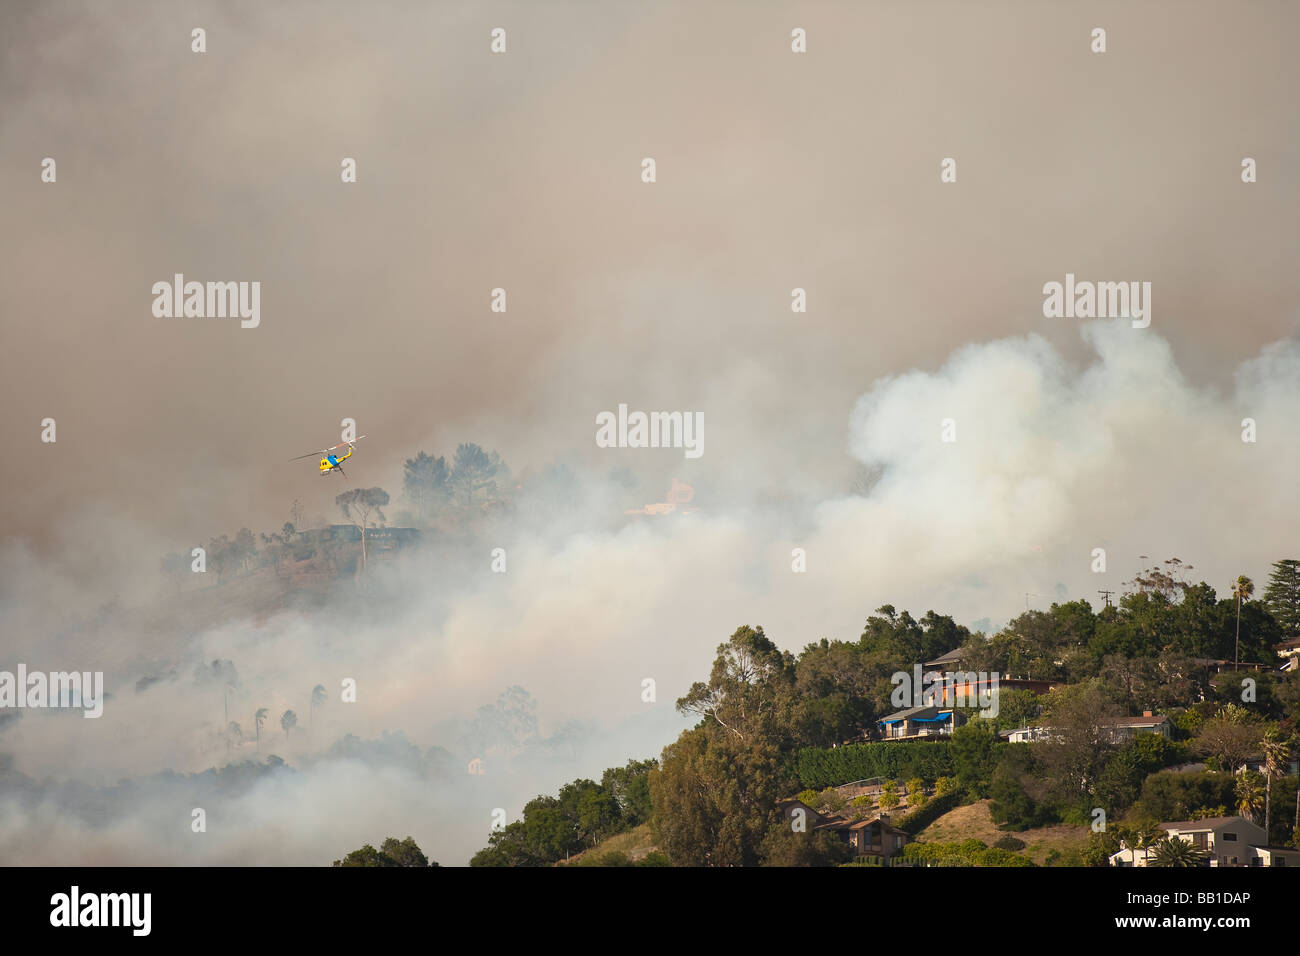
[[919, 819], [831, 766]]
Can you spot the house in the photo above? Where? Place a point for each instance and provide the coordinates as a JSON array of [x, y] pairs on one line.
[[344, 542], [864, 837], [968, 685], [874, 837], [1118, 730], [1275, 856], [382, 540], [1026, 735], [944, 661], [1289, 651], [1230, 841], [1216, 666], [917, 723], [334, 532], [1123, 729]]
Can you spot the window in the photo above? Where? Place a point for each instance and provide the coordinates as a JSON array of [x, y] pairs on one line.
[[1229, 837]]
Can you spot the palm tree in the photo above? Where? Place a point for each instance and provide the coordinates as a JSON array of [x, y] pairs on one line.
[[234, 730], [1242, 589], [1139, 836], [259, 718], [1277, 755], [317, 698], [1250, 794], [288, 721], [1124, 836], [1176, 852], [1147, 835]]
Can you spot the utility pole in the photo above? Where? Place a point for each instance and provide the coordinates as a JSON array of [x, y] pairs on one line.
[[1107, 595]]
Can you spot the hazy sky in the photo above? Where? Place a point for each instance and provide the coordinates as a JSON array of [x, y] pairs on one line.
[[775, 170], [521, 171]]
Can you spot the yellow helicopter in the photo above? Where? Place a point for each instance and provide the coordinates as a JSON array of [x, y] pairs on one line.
[[332, 462]]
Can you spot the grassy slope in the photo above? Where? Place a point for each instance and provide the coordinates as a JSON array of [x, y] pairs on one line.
[[636, 843], [974, 821]]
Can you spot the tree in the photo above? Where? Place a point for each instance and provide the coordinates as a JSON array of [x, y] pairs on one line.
[[507, 726], [1079, 746], [747, 689], [597, 813], [1167, 582], [1231, 737], [220, 556], [1014, 787], [233, 730], [317, 699], [174, 565], [833, 693], [1249, 792], [904, 640], [972, 756], [1120, 781], [404, 853], [1242, 589], [1145, 835], [1282, 596], [630, 786], [1277, 756], [1101, 846], [243, 548], [889, 795], [258, 720], [714, 797], [473, 470], [1178, 853], [784, 847], [278, 545], [360, 505], [424, 478], [915, 792], [288, 721], [1169, 795], [220, 673]]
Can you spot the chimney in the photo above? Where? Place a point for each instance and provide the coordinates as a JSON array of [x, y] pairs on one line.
[[1147, 713]]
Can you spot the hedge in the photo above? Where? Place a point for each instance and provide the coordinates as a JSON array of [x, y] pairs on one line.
[[822, 767], [923, 816], [966, 853]]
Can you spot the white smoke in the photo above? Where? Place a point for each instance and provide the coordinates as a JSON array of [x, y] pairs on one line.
[[1050, 461]]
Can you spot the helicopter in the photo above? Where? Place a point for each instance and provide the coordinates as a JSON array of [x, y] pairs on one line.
[[332, 462]]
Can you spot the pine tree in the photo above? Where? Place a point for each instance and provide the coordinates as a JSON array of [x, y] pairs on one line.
[[1282, 596]]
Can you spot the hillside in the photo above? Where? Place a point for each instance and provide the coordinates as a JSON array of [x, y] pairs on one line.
[[635, 844], [974, 821]]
